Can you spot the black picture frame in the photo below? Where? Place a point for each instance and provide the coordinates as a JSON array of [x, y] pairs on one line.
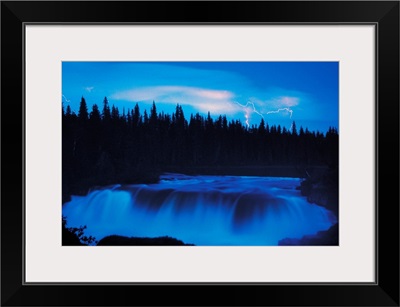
[[383, 14]]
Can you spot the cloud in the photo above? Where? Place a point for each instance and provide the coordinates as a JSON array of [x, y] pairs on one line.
[[89, 88], [201, 99], [216, 102], [286, 101], [277, 100]]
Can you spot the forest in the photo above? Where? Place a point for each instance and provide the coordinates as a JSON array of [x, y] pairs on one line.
[[105, 145]]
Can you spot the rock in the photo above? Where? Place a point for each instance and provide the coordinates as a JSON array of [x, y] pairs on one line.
[[115, 240], [328, 237], [323, 190]]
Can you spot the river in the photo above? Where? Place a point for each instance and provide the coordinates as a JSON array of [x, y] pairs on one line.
[[201, 210]]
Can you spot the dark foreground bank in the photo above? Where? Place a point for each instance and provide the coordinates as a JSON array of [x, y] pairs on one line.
[[115, 240], [320, 188], [328, 237]]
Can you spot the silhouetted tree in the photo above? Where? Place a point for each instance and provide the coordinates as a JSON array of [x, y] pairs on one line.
[[294, 128], [83, 111], [106, 114], [109, 147]]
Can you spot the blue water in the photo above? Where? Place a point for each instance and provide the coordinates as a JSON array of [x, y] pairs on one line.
[[202, 210]]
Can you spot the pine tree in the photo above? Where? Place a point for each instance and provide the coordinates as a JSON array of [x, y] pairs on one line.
[[261, 127], [136, 116], [95, 114], [68, 111], [294, 129], [114, 114], [83, 111], [106, 114], [153, 116]]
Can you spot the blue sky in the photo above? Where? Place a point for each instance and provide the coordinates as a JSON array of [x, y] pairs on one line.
[[279, 92]]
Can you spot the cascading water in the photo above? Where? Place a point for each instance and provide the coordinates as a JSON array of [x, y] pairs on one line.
[[201, 210]]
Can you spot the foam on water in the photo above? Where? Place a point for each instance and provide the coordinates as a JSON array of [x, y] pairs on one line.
[[202, 210]]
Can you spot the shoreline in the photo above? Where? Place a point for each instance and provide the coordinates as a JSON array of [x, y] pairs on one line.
[[252, 170]]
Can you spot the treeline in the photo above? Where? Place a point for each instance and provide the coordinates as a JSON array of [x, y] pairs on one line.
[[109, 146]]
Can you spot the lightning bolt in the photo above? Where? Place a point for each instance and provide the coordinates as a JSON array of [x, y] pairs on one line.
[[247, 119], [250, 105], [66, 99], [247, 114], [283, 109]]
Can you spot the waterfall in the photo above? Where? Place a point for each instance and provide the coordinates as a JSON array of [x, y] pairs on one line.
[[202, 210]]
